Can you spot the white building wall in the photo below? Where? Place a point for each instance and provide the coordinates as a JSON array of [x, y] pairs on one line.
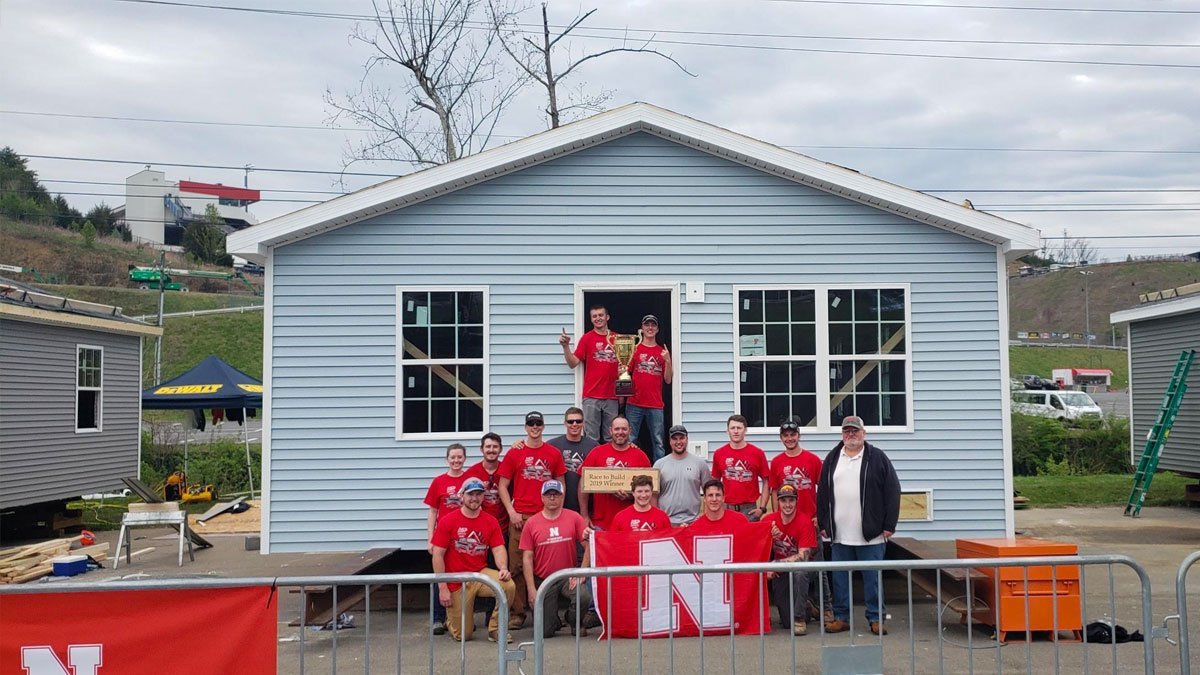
[[144, 209]]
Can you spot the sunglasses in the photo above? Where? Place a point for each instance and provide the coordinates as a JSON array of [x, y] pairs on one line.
[[535, 424], [574, 421]]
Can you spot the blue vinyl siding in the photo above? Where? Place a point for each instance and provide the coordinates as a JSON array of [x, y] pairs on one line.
[[638, 208]]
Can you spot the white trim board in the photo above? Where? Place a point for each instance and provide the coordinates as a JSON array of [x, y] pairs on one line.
[[1157, 310], [1014, 239]]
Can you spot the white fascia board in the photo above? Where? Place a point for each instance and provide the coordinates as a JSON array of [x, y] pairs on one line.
[[1157, 310], [1015, 239]]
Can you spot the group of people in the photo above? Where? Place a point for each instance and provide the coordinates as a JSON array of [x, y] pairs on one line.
[[524, 517]]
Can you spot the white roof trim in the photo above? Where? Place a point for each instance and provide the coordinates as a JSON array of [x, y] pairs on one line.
[[1157, 310], [1014, 238]]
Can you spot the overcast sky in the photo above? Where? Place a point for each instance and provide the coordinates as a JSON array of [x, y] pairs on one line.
[[879, 113]]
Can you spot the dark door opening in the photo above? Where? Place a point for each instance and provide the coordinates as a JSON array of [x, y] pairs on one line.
[[625, 311]]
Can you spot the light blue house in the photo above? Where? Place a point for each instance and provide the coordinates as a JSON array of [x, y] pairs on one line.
[[426, 310]]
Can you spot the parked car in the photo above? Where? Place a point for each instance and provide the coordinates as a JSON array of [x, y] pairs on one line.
[[1037, 382], [1067, 406]]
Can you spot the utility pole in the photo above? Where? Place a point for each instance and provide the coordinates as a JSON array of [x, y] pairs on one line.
[[162, 289]]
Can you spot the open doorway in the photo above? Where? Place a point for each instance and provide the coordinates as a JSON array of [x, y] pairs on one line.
[[626, 309]]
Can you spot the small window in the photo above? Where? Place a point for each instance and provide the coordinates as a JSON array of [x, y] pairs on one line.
[[442, 343], [89, 388]]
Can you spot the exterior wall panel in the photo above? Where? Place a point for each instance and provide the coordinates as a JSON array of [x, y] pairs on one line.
[[41, 456], [1155, 345], [637, 209]]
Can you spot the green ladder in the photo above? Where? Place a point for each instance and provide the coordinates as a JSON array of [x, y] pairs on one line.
[[1157, 438]]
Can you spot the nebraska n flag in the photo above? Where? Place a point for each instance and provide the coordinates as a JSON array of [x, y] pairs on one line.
[[673, 603]]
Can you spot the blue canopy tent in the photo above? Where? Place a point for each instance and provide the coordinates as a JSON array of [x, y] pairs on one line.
[[211, 384]]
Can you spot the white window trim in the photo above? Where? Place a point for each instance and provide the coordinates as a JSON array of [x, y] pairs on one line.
[[928, 492], [99, 428], [400, 362], [822, 356]]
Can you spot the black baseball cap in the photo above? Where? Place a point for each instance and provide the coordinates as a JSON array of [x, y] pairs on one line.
[[650, 318], [534, 416], [677, 430]]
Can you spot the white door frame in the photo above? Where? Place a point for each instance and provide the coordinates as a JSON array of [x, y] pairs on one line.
[[676, 349]]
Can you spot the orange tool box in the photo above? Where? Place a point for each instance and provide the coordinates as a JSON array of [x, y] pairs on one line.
[[1006, 590]]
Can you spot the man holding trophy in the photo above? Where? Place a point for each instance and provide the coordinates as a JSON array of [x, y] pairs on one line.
[[596, 351], [650, 368]]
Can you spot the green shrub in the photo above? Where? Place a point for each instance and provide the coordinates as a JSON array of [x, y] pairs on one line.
[[223, 464], [1044, 446]]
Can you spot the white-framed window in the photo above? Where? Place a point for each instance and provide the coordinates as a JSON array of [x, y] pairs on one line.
[[441, 361], [820, 353], [89, 388]]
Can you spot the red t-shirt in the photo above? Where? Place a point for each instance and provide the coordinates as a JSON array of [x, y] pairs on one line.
[[646, 368], [629, 519], [491, 492], [526, 469], [740, 471], [552, 541], [467, 541], [726, 525], [798, 534], [444, 495], [605, 506], [599, 365], [801, 472]]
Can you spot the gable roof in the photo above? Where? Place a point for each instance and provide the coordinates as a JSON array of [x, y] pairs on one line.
[[1013, 238]]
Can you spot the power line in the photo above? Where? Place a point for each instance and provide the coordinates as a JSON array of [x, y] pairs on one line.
[[68, 158], [1016, 8], [904, 148], [624, 38], [259, 189]]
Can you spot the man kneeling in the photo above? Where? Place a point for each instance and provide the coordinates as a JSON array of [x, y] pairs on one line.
[[548, 544], [460, 544]]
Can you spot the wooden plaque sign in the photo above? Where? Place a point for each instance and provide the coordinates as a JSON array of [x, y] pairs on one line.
[[615, 479]]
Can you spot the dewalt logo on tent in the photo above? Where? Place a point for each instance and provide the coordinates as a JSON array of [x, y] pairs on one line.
[[190, 389]]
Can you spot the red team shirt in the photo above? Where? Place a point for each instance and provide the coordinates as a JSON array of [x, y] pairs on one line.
[[605, 506], [552, 541], [727, 524], [798, 534], [599, 366], [629, 519], [646, 368], [801, 472], [526, 469], [491, 492], [740, 471], [443, 493], [467, 541]]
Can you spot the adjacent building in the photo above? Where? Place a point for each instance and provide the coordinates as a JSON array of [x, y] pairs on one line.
[[157, 211], [426, 310]]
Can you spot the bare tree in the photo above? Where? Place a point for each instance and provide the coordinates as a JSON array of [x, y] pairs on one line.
[[1075, 250], [535, 57], [452, 89]]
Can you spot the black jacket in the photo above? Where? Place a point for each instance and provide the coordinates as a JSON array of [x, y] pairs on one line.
[[879, 488]]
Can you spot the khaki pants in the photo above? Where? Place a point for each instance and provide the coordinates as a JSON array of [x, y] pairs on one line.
[[515, 566], [459, 606]]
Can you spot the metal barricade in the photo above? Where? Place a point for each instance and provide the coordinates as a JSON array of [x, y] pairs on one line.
[[1185, 655], [917, 642], [369, 646]]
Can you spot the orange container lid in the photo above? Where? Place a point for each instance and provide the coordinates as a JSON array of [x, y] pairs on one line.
[[1008, 547]]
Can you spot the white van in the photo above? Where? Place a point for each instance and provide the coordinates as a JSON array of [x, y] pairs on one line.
[[1062, 405]]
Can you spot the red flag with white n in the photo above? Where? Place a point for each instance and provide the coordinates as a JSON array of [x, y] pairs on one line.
[[682, 603]]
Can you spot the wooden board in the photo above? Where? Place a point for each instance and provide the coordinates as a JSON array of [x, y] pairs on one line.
[[614, 480], [219, 508], [916, 506], [246, 522], [157, 507]]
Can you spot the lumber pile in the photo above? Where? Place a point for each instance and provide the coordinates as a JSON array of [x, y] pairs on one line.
[[27, 563]]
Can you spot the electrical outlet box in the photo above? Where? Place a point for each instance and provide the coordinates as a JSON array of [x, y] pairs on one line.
[[695, 291], [699, 448]]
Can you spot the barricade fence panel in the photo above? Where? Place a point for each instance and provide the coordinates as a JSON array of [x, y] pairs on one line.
[[1185, 625]]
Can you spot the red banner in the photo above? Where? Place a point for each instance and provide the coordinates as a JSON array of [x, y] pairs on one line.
[[683, 602], [222, 630]]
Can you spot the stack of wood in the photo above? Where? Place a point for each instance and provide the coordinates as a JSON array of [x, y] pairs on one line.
[[26, 563]]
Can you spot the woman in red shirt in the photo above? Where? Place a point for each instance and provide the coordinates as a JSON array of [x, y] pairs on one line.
[[444, 496]]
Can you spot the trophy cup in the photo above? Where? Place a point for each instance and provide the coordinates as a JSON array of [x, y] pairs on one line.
[[624, 345]]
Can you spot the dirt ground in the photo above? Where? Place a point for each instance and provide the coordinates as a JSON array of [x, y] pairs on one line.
[[1158, 540]]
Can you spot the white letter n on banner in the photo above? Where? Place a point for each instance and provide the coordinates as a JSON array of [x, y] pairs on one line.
[[84, 660], [660, 612]]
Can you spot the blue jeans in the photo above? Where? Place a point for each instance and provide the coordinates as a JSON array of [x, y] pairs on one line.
[[654, 419], [841, 581]]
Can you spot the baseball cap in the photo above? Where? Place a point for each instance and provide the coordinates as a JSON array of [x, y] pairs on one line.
[[650, 318], [852, 422], [789, 425], [534, 416], [786, 492], [677, 430], [552, 486], [472, 485]]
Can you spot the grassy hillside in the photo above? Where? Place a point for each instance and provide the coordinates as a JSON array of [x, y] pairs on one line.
[[1042, 360], [136, 302], [1055, 301], [237, 338]]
